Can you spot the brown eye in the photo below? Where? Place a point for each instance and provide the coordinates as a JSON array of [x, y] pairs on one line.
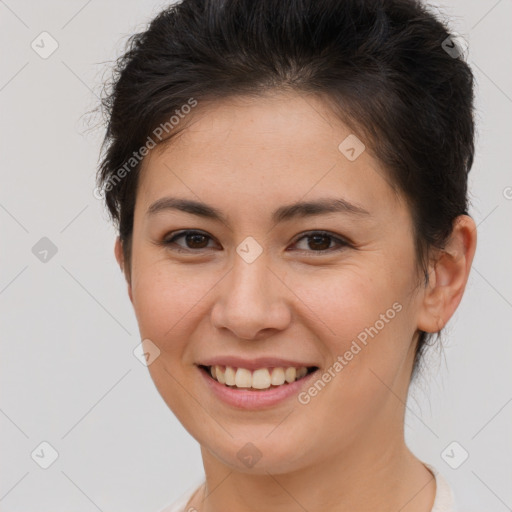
[[320, 241], [317, 242], [194, 240]]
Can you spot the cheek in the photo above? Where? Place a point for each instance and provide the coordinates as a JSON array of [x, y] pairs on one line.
[[166, 300], [374, 341], [346, 301], [362, 322]]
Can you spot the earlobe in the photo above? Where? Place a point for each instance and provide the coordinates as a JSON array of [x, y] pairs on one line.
[[449, 274]]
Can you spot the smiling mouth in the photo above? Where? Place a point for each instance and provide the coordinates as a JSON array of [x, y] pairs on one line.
[[261, 379]]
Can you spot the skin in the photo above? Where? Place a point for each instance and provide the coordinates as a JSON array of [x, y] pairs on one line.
[[345, 450]]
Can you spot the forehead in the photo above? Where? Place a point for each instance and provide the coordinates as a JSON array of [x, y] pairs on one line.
[[276, 148]]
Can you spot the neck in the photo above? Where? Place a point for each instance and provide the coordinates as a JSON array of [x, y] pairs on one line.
[[373, 471], [386, 480]]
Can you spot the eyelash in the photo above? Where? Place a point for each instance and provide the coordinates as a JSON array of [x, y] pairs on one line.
[[170, 242]]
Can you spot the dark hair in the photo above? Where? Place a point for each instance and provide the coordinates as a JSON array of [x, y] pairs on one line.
[[382, 65]]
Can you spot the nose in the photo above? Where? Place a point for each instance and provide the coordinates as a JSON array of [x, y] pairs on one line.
[[251, 301]]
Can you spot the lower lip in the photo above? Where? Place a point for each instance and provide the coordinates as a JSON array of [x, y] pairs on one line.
[[253, 400]]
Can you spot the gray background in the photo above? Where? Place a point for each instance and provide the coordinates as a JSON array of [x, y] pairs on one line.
[[68, 374]]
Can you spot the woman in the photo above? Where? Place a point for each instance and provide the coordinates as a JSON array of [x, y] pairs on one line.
[[289, 182]]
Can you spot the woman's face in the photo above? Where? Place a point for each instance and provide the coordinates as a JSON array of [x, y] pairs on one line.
[[259, 285]]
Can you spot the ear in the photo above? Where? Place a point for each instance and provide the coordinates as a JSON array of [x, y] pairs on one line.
[[448, 276], [118, 250]]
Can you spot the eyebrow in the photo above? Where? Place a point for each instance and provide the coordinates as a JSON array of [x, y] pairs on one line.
[[284, 213]]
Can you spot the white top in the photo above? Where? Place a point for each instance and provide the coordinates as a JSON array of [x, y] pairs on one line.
[[444, 500]]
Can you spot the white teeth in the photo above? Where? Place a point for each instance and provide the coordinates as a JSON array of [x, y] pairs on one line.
[[262, 378], [220, 375], [277, 377], [301, 372], [243, 378], [229, 375], [290, 374]]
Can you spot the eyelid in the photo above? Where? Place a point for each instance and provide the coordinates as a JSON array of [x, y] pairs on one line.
[[343, 242], [168, 240]]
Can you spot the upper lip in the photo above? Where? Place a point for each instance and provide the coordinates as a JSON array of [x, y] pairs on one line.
[[255, 363]]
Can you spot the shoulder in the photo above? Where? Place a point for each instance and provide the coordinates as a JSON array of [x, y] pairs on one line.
[[180, 504], [444, 500]]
